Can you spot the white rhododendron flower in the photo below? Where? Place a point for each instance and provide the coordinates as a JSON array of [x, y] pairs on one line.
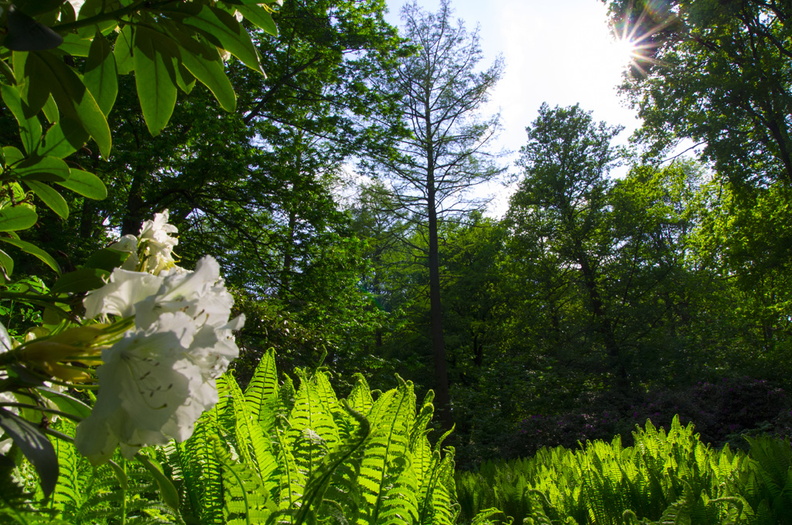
[[160, 377], [152, 250], [128, 243], [121, 293], [155, 243]]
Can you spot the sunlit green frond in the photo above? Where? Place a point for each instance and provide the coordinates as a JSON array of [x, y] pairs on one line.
[[387, 450], [360, 399], [243, 492], [312, 429], [202, 472], [262, 393]]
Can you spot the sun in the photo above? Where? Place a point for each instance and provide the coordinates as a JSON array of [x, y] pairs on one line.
[[638, 36], [625, 50]]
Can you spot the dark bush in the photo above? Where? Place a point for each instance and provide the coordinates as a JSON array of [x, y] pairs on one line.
[[723, 411]]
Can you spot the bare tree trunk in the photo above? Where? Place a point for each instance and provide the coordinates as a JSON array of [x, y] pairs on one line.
[[442, 394]]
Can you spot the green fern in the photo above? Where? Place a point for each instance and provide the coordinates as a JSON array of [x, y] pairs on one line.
[[274, 454]]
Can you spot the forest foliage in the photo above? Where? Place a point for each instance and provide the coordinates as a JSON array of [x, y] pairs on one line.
[[594, 304]]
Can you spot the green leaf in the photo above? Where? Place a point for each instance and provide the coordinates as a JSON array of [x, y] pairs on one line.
[[35, 446], [17, 218], [81, 280], [184, 79], [101, 75], [33, 250], [223, 30], [63, 139], [155, 58], [7, 72], [29, 127], [85, 184], [211, 73], [37, 7], [123, 50], [50, 197], [35, 94], [92, 8], [26, 34], [203, 61], [106, 259], [73, 98], [75, 45], [6, 264], [260, 17], [42, 168], [65, 402], [50, 109], [167, 490], [11, 155]]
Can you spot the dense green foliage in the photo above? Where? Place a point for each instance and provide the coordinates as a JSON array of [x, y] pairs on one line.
[[664, 477]]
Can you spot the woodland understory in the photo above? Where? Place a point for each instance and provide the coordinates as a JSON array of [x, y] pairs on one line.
[[246, 274]]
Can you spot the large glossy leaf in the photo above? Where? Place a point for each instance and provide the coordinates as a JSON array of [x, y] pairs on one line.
[[123, 50], [106, 259], [167, 490], [260, 17], [33, 250], [75, 45], [50, 109], [85, 184], [24, 33], [101, 74], [90, 9], [6, 264], [11, 155], [29, 127], [65, 402], [81, 280], [50, 197], [17, 218], [35, 446], [212, 74], [223, 30], [63, 138], [73, 98], [42, 168], [35, 94], [202, 60], [156, 58]]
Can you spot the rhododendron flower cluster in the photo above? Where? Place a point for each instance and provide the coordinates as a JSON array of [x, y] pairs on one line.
[[160, 377]]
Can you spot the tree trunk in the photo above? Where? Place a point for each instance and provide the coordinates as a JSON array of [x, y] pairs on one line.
[[605, 328], [442, 394], [133, 215]]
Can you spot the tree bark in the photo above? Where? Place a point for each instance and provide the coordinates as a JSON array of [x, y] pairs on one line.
[[442, 393]]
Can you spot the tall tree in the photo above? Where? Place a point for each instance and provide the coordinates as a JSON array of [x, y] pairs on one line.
[[442, 90], [562, 203]]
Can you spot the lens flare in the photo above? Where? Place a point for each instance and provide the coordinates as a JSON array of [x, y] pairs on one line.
[[641, 31]]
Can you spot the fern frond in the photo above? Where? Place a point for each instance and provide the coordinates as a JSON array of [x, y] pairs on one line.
[[332, 490], [245, 502], [312, 428], [69, 493], [202, 472], [292, 479], [386, 453], [262, 394], [360, 399]]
